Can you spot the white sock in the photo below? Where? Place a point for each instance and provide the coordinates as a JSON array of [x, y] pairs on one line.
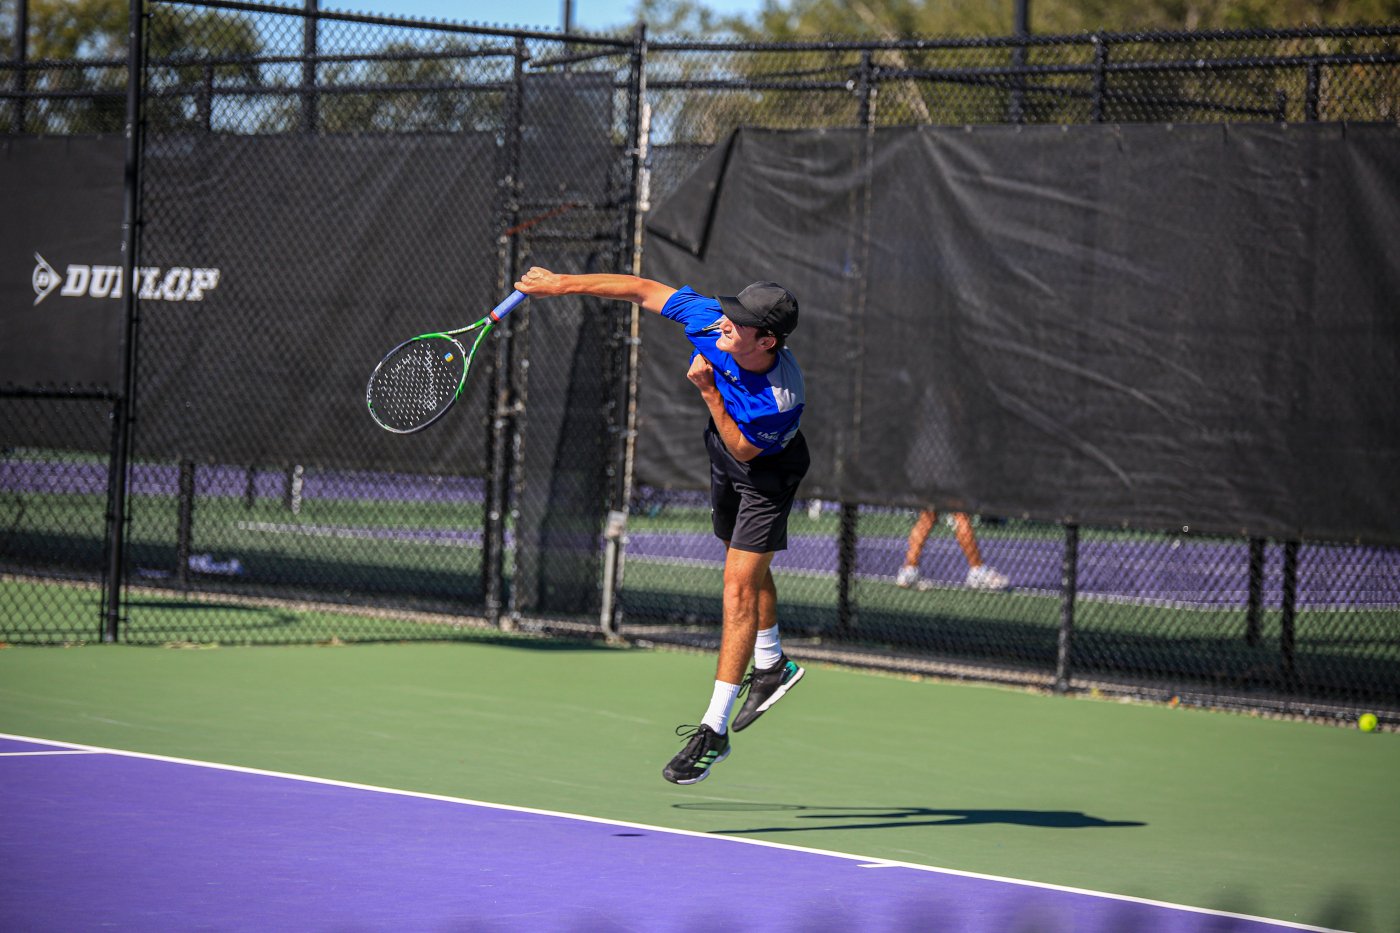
[[767, 649], [717, 716]]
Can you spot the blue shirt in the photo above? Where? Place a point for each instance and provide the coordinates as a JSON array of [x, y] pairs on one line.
[[767, 407]]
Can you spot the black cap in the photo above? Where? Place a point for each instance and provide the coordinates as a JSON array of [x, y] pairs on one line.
[[766, 305]]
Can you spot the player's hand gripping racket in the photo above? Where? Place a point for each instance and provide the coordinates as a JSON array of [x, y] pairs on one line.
[[417, 381]]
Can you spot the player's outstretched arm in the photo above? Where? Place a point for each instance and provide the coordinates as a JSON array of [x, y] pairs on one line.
[[651, 295]]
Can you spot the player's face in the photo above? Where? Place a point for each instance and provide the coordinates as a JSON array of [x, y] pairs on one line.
[[737, 339]]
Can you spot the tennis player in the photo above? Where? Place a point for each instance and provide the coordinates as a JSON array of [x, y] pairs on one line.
[[751, 385]]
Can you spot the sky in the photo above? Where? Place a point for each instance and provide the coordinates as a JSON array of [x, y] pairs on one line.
[[588, 15]]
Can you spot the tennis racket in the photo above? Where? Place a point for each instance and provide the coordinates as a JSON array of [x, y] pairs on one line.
[[417, 381]]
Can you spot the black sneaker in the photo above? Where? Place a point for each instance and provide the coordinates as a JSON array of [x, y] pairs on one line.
[[705, 749], [766, 687]]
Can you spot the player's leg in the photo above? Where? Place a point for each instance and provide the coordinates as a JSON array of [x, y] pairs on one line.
[[774, 673], [979, 575], [748, 585], [746, 580], [967, 539], [767, 647], [708, 743], [918, 535], [762, 526]]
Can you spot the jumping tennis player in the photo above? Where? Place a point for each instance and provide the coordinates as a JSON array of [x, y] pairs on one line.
[[752, 386]]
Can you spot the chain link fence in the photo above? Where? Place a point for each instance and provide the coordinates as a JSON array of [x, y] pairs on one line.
[[341, 182], [55, 503], [1166, 613]]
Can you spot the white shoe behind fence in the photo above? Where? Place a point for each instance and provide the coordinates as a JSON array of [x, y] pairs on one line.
[[985, 578]]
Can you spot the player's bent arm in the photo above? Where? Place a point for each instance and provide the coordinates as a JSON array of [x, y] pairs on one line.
[[651, 295], [739, 446], [702, 375]]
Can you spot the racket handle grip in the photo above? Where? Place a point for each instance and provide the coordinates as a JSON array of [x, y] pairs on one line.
[[507, 306]]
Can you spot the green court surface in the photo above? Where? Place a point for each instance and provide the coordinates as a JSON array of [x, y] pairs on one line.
[[1287, 820]]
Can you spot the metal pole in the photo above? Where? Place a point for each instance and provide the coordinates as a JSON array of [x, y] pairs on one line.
[[21, 56], [112, 531], [1100, 79], [865, 88], [1023, 17], [184, 522], [1069, 584], [1255, 606], [205, 106], [125, 409], [1018, 61], [308, 66], [1313, 93], [1289, 613], [294, 481], [568, 24], [847, 610], [614, 536], [502, 443]]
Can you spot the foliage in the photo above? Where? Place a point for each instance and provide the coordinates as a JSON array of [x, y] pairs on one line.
[[80, 46], [778, 21], [408, 90]]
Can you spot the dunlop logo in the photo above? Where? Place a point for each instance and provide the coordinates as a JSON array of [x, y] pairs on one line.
[[177, 283]]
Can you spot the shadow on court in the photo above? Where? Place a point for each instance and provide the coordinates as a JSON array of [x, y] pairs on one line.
[[846, 818], [241, 616], [156, 619]]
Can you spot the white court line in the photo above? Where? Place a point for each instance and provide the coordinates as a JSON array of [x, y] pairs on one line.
[[864, 861], [72, 751]]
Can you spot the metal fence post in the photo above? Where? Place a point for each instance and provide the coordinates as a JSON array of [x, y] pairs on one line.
[[1097, 109], [846, 611], [865, 88], [1255, 606], [21, 56], [294, 481], [112, 569], [125, 408], [204, 104], [503, 448], [1017, 111], [846, 608], [1069, 582], [310, 28], [614, 536], [1289, 614], [1313, 93], [184, 522]]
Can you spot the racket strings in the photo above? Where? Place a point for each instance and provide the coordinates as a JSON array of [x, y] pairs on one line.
[[417, 382]]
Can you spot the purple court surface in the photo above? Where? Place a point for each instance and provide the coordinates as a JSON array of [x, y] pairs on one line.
[[98, 839], [1202, 574]]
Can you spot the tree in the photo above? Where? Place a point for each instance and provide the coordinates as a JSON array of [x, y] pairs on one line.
[[410, 88], [972, 84], [909, 18], [79, 48]]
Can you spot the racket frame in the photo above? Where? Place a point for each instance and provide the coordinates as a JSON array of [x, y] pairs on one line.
[[485, 325]]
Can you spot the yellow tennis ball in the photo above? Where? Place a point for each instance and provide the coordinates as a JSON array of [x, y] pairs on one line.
[[1367, 722]]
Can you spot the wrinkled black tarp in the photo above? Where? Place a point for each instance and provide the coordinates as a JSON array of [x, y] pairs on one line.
[[1156, 325]]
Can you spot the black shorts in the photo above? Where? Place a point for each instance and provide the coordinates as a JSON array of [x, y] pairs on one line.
[[749, 502]]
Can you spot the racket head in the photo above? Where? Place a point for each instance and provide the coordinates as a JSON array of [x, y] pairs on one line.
[[417, 382]]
